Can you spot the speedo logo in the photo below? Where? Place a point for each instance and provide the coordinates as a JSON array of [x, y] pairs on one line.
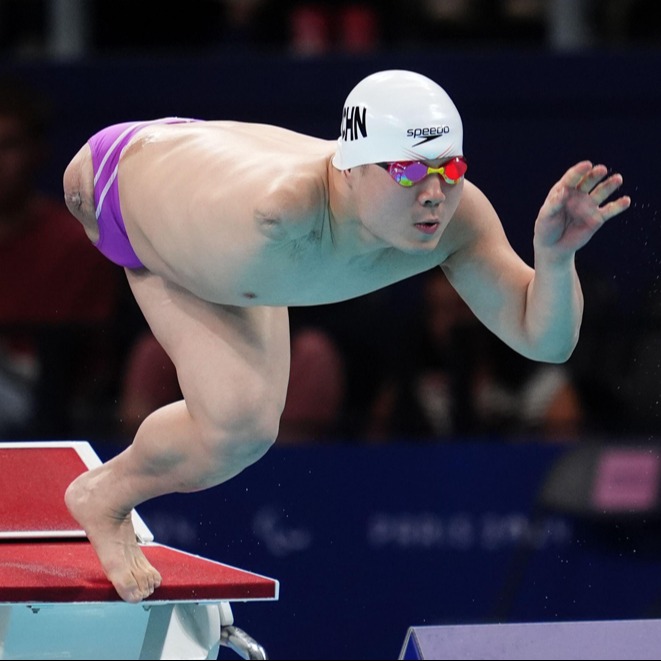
[[354, 123], [428, 133]]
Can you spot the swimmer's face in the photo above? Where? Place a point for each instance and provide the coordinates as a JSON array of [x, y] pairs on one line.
[[411, 219]]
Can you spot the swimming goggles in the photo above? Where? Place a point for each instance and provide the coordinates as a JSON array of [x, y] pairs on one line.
[[407, 173]]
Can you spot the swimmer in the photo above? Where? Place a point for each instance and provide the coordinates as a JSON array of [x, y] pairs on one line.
[[222, 225]]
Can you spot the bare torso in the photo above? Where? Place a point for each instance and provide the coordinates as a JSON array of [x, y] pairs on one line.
[[238, 214]]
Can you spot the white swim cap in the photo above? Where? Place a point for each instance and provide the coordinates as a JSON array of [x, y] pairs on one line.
[[397, 116]]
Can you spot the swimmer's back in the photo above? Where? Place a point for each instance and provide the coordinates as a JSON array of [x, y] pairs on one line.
[[193, 194]]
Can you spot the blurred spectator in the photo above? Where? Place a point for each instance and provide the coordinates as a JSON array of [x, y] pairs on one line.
[[359, 28], [241, 19], [149, 382], [482, 22], [57, 292], [317, 389], [517, 398], [315, 398], [315, 28], [428, 393], [310, 29], [353, 347], [460, 380]]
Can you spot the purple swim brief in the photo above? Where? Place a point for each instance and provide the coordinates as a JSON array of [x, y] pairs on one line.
[[107, 146]]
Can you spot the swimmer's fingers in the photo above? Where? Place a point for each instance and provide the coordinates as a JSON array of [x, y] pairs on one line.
[[606, 188], [570, 181], [600, 192], [590, 179], [576, 174], [615, 207], [585, 177]]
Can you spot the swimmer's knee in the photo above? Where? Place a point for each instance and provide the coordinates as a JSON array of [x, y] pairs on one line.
[[242, 453], [233, 451], [243, 434]]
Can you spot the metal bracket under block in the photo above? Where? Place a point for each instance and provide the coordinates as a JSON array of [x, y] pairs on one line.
[[239, 641]]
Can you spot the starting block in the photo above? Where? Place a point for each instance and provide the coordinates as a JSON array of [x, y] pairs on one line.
[[55, 601], [616, 639]]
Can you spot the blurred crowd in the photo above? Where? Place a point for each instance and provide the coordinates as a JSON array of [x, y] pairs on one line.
[[78, 361], [33, 28]]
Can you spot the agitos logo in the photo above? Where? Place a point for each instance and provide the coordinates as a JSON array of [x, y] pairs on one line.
[[354, 123]]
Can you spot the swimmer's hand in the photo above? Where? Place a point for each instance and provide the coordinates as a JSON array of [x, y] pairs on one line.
[[575, 209]]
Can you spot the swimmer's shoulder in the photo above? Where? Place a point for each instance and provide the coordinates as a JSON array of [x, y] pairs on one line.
[[293, 207]]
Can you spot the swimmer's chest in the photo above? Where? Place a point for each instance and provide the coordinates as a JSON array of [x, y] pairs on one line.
[[271, 248], [307, 271]]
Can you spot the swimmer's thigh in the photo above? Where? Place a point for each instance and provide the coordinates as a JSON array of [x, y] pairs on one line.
[[232, 363]]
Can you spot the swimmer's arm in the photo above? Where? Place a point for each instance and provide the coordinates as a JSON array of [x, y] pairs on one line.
[[536, 312]]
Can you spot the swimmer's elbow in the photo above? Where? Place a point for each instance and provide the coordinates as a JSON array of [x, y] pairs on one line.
[[558, 358], [555, 353]]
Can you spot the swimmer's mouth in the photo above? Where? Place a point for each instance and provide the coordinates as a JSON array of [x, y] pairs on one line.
[[428, 227]]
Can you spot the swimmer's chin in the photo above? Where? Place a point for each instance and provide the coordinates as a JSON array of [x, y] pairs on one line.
[[420, 247], [419, 251]]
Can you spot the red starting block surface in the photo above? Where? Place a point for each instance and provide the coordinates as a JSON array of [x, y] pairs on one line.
[[69, 572], [56, 602], [32, 485], [33, 479]]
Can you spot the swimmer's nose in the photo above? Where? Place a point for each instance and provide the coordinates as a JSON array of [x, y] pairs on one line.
[[430, 193]]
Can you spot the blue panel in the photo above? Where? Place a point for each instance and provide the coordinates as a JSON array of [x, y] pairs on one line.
[[369, 541]]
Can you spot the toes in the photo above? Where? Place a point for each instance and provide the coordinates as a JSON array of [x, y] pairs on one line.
[[135, 597], [145, 577], [145, 585], [128, 589], [135, 585]]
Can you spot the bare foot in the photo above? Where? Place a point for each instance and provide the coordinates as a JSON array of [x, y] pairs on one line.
[[113, 538]]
